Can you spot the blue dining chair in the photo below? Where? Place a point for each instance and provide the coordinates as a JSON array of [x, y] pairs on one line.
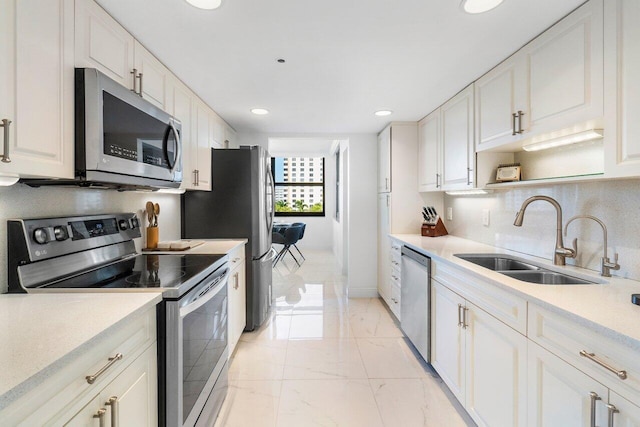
[[290, 237], [304, 226]]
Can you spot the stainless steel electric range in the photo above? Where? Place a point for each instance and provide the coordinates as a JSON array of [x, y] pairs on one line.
[[97, 254]]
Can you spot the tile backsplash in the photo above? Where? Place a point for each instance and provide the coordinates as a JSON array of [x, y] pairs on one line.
[[616, 203], [21, 201]]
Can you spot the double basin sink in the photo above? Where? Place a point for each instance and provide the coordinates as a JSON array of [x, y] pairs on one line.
[[512, 267]]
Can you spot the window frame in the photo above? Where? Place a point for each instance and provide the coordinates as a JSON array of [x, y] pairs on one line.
[[301, 184]]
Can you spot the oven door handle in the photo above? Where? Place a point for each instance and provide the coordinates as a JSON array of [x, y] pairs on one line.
[[205, 296]]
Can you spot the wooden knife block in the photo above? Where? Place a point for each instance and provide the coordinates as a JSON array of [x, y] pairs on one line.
[[434, 230]]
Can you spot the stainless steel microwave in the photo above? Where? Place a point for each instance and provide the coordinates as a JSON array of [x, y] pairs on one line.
[[122, 140]]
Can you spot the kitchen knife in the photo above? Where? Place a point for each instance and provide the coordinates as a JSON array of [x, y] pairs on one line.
[[425, 214]]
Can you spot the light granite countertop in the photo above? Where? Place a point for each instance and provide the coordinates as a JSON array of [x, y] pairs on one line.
[[41, 333], [605, 307]]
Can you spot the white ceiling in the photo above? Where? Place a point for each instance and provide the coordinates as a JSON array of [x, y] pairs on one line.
[[345, 59]]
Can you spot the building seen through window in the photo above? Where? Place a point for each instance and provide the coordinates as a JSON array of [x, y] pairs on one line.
[[300, 193]]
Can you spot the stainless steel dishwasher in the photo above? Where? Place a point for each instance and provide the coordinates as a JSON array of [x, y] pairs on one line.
[[415, 306]]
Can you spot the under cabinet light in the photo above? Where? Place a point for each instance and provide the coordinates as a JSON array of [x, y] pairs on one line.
[[7, 180], [475, 192], [205, 4], [588, 135], [479, 6], [172, 190]]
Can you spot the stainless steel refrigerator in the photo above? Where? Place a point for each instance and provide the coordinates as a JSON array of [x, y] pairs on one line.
[[239, 205]]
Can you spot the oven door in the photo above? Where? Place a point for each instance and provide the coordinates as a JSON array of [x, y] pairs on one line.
[[125, 134], [196, 348]]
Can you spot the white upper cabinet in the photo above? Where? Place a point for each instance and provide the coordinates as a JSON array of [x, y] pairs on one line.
[[152, 77], [201, 148], [622, 68], [429, 153], [102, 43], [384, 161], [553, 83], [457, 141], [216, 130], [180, 105], [499, 97], [37, 86]]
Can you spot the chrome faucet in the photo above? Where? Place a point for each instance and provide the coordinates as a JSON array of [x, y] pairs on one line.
[[605, 264], [560, 252]]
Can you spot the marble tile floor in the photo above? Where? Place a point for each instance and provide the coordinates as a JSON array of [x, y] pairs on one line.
[[322, 359]]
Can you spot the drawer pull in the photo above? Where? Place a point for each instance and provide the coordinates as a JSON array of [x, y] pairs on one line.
[[92, 378], [5, 156], [591, 356], [460, 322], [115, 417], [594, 397], [100, 416], [235, 260]]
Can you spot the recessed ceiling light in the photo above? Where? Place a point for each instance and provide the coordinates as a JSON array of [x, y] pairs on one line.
[[205, 4], [259, 111], [381, 113], [479, 6]]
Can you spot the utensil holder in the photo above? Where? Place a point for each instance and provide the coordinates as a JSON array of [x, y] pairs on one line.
[[153, 235], [434, 230]]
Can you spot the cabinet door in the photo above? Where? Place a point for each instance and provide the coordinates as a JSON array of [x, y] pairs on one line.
[[457, 141], [429, 150], [201, 154], [229, 137], [500, 94], [134, 392], [384, 161], [384, 246], [628, 415], [447, 338], [38, 87], [237, 305], [154, 77], [216, 130], [622, 68], [565, 68], [102, 43], [180, 106], [496, 371], [559, 394]]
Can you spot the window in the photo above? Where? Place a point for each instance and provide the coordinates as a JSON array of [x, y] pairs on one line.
[[298, 197]]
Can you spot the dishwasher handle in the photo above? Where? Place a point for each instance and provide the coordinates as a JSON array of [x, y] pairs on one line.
[[416, 256]]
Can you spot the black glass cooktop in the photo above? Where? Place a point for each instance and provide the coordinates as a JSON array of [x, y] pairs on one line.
[[143, 271]]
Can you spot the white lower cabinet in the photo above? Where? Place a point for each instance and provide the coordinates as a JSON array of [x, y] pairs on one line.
[[237, 292], [625, 413], [481, 359], [559, 394]]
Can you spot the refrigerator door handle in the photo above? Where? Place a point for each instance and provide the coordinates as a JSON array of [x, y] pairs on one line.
[[272, 214]]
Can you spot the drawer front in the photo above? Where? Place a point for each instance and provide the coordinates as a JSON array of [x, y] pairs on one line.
[[503, 305], [68, 387], [396, 248], [236, 257], [395, 300], [566, 339]]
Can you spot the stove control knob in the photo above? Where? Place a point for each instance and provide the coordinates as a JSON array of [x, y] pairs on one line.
[[60, 232], [134, 222], [41, 236], [124, 224]]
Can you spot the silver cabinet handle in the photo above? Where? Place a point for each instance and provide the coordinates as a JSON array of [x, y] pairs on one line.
[[387, 200], [5, 156], [113, 402], [195, 178], [465, 325], [611, 411], [520, 114], [134, 74], [460, 315], [469, 170], [237, 281], [594, 397], [514, 116], [140, 90], [386, 183], [437, 180], [100, 416], [591, 356], [92, 378]]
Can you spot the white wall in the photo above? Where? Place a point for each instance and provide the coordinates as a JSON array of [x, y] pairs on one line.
[[616, 203], [362, 205], [23, 202]]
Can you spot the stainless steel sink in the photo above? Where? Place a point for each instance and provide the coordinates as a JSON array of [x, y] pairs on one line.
[[517, 269], [544, 277], [497, 263]]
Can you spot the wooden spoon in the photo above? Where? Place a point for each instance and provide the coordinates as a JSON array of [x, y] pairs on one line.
[[156, 211], [150, 212]]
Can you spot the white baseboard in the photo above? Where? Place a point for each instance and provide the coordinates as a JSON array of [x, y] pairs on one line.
[[362, 292]]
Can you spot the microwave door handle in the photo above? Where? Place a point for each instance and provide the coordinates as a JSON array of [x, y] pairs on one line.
[[178, 151]]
